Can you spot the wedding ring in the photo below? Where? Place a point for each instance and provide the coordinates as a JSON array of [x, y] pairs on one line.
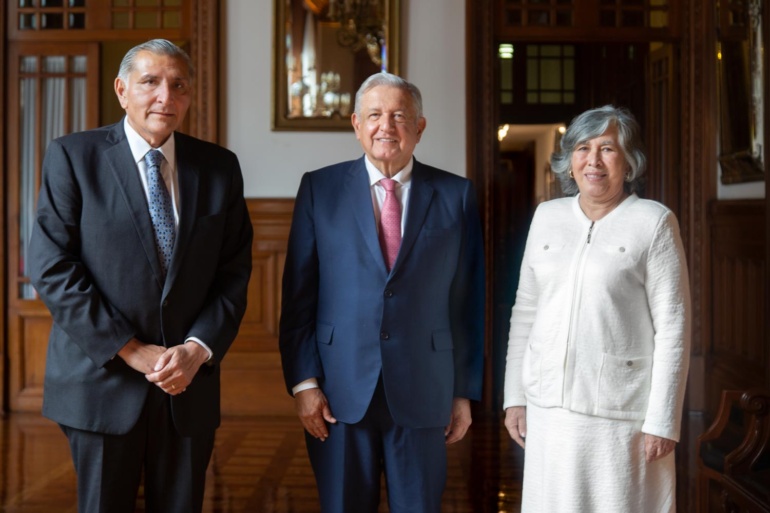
[[173, 386]]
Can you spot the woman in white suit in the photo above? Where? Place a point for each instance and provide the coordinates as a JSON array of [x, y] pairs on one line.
[[599, 342]]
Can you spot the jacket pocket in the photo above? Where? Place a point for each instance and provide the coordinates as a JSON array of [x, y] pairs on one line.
[[624, 383], [442, 340], [323, 333]]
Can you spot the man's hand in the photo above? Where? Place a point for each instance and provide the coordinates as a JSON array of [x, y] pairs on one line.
[[656, 447], [314, 412], [140, 356], [177, 366], [516, 423], [460, 420]]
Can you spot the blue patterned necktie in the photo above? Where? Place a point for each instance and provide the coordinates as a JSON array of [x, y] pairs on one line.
[[161, 209]]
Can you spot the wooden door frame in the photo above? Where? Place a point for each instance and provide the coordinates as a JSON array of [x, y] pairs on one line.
[[3, 232], [698, 157], [482, 153], [203, 44], [766, 64]]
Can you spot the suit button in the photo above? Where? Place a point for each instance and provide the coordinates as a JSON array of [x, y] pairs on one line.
[[384, 335], [388, 293], [165, 303], [629, 363]]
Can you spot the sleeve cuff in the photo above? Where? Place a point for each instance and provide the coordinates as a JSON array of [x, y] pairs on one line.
[[305, 385], [203, 345]]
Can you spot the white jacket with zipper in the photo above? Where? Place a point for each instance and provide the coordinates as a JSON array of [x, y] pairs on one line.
[[601, 323]]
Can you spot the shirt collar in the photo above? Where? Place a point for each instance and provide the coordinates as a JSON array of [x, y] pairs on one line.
[[404, 177], [140, 147]]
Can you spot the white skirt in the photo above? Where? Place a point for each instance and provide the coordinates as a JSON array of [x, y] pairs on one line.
[[575, 463]]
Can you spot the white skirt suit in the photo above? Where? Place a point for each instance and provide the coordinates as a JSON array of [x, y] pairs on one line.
[[598, 352]]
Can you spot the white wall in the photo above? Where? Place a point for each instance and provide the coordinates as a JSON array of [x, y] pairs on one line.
[[751, 190], [433, 57]]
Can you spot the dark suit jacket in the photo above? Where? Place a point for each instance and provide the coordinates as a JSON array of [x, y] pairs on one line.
[[345, 319], [94, 264]]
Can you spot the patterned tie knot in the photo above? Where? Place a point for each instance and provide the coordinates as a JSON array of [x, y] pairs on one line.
[[388, 184], [153, 158]]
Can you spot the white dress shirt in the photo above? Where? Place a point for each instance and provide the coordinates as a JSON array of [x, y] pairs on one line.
[[139, 148], [403, 181]]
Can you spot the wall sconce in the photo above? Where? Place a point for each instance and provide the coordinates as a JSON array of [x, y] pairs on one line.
[[502, 132]]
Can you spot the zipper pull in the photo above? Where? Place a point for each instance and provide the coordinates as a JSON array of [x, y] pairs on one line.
[[590, 229]]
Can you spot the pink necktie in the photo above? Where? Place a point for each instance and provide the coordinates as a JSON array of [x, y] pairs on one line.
[[390, 223]]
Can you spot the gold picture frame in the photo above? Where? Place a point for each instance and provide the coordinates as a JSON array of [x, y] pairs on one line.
[[323, 50]]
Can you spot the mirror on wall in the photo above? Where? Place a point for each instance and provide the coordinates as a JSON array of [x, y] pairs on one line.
[[740, 88], [323, 51]]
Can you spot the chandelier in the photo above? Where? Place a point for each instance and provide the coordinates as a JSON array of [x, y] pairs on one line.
[[361, 24]]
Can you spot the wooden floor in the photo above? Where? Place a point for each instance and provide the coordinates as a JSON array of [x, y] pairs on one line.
[[260, 466]]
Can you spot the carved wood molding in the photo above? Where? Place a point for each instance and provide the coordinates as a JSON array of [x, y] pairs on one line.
[[204, 48], [698, 158]]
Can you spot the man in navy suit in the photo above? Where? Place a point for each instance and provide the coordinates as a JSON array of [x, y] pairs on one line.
[[382, 346], [141, 317]]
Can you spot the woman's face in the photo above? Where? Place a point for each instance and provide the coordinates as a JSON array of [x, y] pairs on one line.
[[599, 168]]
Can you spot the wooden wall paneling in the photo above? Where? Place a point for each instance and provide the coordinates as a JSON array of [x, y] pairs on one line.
[[252, 378], [28, 341], [738, 352]]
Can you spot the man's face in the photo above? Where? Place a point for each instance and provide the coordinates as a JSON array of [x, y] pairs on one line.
[[156, 96], [388, 128]]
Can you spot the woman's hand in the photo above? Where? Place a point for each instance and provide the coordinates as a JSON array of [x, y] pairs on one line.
[[656, 447], [516, 423]]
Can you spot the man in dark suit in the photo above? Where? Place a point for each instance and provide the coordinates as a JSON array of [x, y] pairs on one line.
[[381, 331], [143, 258]]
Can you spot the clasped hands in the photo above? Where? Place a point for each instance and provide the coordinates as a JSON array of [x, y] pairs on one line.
[[170, 369], [655, 447], [314, 412]]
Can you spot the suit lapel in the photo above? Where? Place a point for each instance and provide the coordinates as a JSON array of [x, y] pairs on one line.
[[188, 175], [359, 196], [127, 178], [420, 197]]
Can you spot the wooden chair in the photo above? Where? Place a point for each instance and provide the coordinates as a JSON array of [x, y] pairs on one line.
[[733, 455]]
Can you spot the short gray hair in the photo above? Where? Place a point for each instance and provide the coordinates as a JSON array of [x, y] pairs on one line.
[[389, 79], [591, 124], [157, 47]]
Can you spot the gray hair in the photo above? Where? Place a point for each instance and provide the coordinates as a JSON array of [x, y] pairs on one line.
[[157, 47], [388, 79], [591, 124]]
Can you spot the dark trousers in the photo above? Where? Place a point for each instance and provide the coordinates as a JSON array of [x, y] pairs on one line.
[[109, 467], [349, 464]]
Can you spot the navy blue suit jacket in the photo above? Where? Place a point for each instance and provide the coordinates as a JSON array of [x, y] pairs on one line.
[[94, 264], [346, 319]]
